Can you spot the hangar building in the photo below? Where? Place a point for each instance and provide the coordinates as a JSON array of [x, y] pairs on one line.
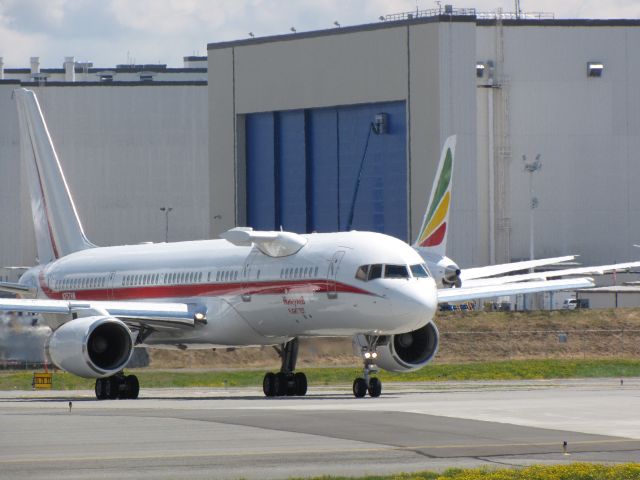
[[290, 120], [276, 131]]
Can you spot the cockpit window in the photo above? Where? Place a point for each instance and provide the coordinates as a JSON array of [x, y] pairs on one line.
[[419, 270], [375, 271], [396, 271], [363, 273]]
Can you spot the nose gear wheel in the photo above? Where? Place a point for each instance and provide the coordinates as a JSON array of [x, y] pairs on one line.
[[367, 383]]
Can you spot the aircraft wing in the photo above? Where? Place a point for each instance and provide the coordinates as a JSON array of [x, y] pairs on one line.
[[594, 270], [471, 293], [155, 315], [491, 270]]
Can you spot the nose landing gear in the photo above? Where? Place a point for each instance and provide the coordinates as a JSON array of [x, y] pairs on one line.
[[367, 383]]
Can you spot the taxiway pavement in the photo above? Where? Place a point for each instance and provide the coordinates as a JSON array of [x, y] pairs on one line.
[[237, 433]]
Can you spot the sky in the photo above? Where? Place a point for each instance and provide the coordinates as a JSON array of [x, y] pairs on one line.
[[111, 32]]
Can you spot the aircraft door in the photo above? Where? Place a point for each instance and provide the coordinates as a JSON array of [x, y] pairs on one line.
[[248, 275], [332, 272], [110, 285]]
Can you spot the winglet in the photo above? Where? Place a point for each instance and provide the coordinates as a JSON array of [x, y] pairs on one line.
[[57, 226], [433, 233]]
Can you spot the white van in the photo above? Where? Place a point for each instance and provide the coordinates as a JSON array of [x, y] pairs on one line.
[[570, 304]]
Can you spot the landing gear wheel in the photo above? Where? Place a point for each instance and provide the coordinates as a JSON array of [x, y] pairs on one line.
[[111, 387], [375, 387], [280, 384], [300, 382], [132, 387], [269, 385], [285, 382], [359, 387], [101, 394]]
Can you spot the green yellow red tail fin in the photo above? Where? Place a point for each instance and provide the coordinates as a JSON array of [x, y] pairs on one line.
[[435, 225]]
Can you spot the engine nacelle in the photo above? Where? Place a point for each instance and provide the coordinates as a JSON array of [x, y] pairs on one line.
[[406, 352], [91, 347]]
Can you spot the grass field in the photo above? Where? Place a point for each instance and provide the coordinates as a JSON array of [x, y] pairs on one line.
[[574, 471], [502, 370]]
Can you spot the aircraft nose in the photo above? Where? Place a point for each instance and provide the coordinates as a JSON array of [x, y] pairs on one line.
[[418, 301]]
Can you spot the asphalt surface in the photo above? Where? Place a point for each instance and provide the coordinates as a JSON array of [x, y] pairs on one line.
[[237, 433]]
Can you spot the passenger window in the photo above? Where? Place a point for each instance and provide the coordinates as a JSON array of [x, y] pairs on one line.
[[363, 273], [419, 271], [396, 271], [375, 271]]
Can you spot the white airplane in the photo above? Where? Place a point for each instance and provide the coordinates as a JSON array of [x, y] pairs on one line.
[[431, 242], [250, 288]]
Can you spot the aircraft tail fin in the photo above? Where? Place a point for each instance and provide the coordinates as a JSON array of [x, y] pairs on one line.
[[56, 223], [435, 224]]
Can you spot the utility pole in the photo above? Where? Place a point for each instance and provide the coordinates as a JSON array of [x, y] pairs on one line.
[[166, 211]]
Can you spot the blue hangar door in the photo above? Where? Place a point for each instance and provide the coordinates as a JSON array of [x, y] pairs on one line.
[[303, 168]]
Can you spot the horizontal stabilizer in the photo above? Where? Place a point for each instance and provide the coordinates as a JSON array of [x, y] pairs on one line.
[[471, 293], [18, 289], [271, 243]]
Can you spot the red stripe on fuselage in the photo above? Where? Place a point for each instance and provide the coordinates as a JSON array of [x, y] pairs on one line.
[[203, 290]]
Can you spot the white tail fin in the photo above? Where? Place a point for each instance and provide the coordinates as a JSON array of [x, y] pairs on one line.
[[56, 223], [435, 225]]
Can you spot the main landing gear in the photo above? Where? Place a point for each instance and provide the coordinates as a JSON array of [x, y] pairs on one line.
[[285, 382], [117, 386], [367, 383]]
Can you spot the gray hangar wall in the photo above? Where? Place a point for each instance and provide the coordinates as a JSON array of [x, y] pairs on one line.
[[126, 151], [586, 129], [294, 114]]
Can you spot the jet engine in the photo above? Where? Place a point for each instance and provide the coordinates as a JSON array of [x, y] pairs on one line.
[[91, 347], [451, 276], [406, 352]]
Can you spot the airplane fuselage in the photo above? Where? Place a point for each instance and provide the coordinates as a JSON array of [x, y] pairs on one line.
[[254, 298]]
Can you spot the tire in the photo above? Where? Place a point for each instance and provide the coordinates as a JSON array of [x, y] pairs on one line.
[[359, 387], [111, 389], [291, 386], [280, 384], [375, 387], [132, 387], [100, 389], [269, 385], [300, 382]]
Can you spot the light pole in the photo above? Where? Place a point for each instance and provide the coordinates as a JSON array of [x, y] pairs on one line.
[[531, 168], [166, 211]]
